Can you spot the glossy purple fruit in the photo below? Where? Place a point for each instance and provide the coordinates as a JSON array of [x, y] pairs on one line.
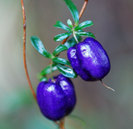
[[68, 89], [56, 99], [93, 62], [76, 64]]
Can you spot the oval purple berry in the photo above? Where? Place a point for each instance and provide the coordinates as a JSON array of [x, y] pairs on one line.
[[56, 99], [68, 89], [92, 58], [76, 64]]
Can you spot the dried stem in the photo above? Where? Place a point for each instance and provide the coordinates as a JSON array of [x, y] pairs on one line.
[[24, 50], [83, 8], [80, 14], [106, 86]]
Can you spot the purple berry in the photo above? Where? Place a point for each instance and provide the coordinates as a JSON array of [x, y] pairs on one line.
[[56, 99], [68, 88], [76, 64], [93, 61]]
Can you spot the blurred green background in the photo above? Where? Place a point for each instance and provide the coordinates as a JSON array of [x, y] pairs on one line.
[[97, 106]]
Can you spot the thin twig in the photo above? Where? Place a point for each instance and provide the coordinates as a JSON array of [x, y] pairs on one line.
[[83, 8], [80, 14], [64, 40], [24, 50]]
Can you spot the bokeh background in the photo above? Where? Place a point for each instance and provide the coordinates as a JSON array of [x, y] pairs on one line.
[[97, 107]]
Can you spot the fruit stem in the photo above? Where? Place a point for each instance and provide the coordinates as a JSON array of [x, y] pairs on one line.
[[24, 50], [62, 124], [74, 35], [51, 76], [107, 86], [80, 15]]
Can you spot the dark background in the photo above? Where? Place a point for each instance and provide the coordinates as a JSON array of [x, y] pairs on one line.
[[97, 107]]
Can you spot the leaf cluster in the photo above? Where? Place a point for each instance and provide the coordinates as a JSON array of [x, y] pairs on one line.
[[75, 30]]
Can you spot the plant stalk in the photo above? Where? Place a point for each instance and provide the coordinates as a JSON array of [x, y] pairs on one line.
[[24, 50]]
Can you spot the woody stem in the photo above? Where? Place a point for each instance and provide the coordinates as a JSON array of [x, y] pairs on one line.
[[24, 50]]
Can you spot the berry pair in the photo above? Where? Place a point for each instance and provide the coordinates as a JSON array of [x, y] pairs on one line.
[[90, 61]]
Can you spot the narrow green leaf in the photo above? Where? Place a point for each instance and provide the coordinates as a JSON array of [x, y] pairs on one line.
[[73, 10], [88, 34], [84, 25], [38, 45], [69, 22], [67, 71], [43, 79], [58, 60], [72, 42], [59, 49], [59, 24], [62, 36], [47, 70]]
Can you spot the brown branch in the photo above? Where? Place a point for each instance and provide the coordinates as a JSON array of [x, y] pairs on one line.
[[64, 40], [24, 50], [83, 8], [80, 14]]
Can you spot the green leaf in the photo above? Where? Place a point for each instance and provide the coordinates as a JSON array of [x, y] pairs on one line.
[[43, 79], [66, 71], [72, 42], [58, 60], [38, 45], [59, 24], [62, 36], [59, 49], [69, 22], [88, 34], [73, 10], [84, 25], [49, 69]]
